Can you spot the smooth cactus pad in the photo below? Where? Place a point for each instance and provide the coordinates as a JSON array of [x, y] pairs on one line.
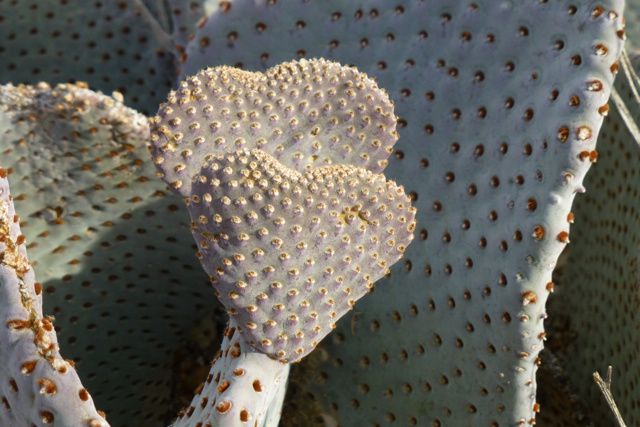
[[113, 45], [290, 253], [304, 113]]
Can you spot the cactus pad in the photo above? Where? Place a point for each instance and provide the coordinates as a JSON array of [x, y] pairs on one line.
[[290, 253], [499, 106], [38, 386], [594, 316], [305, 113], [113, 45], [243, 386], [122, 284]]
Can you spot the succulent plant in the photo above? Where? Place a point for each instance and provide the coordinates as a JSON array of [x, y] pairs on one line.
[[498, 119], [598, 286], [292, 240], [499, 106], [38, 385], [111, 247]]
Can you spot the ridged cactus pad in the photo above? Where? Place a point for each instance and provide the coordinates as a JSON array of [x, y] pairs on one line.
[[499, 107]]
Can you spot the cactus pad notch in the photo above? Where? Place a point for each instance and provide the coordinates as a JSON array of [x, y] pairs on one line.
[[499, 104]]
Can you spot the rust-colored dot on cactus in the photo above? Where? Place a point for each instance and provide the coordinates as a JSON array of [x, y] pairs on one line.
[[47, 386], [83, 394], [46, 417], [18, 324], [223, 386], [538, 232], [563, 237], [257, 386], [244, 416], [615, 67], [563, 134], [529, 297], [597, 11]]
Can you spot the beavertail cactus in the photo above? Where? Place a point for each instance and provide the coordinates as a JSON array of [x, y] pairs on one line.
[[499, 106], [291, 240], [498, 103], [594, 317], [305, 114], [110, 245], [38, 387]]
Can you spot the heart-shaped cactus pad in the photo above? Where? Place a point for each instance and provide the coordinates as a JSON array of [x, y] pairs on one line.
[[305, 113], [290, 252]]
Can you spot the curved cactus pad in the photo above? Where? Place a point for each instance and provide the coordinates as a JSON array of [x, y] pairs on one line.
[[305, 113], [38, 386], [499, 106], [113, 45], [595, 319], [111, 246], [290, 253], [241, 388]]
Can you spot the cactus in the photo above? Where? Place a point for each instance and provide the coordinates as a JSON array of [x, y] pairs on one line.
[[499, 106], [38, 385], [291, 240], [111, 247], [594, 312], [114, 45]]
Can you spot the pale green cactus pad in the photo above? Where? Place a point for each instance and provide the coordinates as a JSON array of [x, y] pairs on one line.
[[187, 15], [499, 106], [242, 387], [113, 45], [595, 313], [38, 386], [111, 248]]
